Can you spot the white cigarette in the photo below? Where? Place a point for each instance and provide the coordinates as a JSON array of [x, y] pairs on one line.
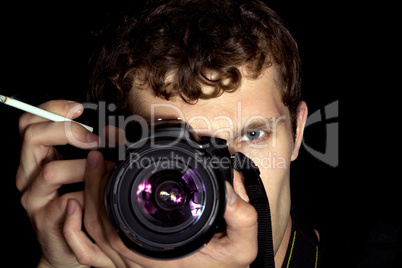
[[37, 111]]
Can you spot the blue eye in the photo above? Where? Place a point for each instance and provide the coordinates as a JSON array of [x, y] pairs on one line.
[[253, 135]]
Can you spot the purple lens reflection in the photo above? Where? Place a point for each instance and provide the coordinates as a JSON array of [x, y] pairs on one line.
[[144, 188], [195, 203], [170, 198]]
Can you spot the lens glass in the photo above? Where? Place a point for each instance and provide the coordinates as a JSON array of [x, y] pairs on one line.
[[168, 200]]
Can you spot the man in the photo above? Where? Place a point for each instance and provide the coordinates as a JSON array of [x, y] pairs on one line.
[[228, 68]]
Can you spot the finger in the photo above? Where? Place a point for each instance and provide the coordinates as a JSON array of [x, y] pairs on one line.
[[48, 215], [86, 252], [60, 133], [38, 141], [55, 174], [94, 172], [241, 232], [68, 109], [95, 219], [240, 216], [44, 180]]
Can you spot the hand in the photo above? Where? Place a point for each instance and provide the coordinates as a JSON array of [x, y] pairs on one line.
[[236, 248], [41, 172]]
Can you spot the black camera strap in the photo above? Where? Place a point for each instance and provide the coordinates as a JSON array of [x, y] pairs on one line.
[[258, 198]]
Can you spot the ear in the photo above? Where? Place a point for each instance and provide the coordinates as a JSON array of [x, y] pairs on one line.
[[302, 112]]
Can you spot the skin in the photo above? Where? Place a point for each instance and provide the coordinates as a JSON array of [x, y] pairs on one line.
[[61, 237]]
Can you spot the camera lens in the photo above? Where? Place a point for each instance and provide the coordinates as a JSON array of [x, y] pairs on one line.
[[171, 196], [168, 200]]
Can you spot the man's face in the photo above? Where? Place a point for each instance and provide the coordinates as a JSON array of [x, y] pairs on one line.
[[254, 121]]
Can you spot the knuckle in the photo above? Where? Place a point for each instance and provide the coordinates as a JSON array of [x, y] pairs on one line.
[[246, 215], [23, 122], [252, 216], [48, 173], [54, 211], [30, 133], [25, 201], [61, 204], [83, 257]]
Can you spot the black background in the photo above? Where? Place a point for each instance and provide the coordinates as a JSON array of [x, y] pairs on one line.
[[347, 54]]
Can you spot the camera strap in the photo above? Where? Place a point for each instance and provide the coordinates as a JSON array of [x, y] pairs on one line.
[[258, 198]]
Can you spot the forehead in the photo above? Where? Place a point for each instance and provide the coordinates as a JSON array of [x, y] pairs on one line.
[[255, 99]]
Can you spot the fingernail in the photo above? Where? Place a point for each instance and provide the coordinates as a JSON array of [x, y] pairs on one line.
[[70, 207], [75, 108], [92, 138], [231, 195], [92, 160]]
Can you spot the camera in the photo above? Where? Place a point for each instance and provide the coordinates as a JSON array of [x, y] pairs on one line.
[[167, 198]]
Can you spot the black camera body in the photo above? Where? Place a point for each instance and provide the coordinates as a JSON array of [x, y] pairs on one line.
[[167, 198]]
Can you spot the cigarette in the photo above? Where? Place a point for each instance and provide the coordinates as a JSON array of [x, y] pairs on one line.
[[38, 111]]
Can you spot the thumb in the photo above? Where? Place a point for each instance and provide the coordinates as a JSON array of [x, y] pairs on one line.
[[239, 216], [241, 228]]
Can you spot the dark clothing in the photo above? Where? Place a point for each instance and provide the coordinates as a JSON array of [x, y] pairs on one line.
[[304, 248], [375, 244]]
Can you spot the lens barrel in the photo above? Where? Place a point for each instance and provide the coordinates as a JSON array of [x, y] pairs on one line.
[[167, 198]]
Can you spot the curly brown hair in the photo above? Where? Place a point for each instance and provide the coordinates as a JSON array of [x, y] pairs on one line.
[[188, 40]]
